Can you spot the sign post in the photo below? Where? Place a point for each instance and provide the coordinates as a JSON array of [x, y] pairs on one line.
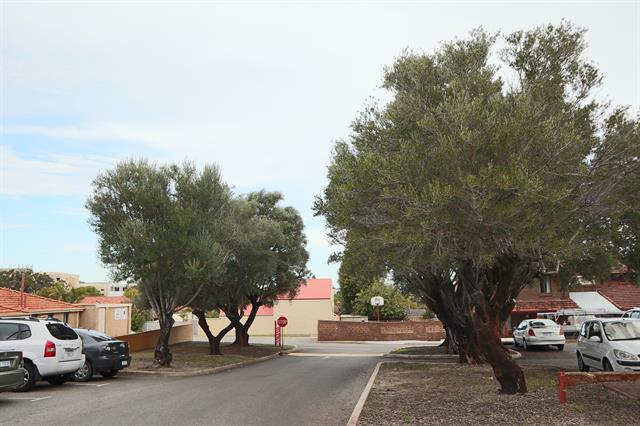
[[276, 333], [281, 323], [376, 302]]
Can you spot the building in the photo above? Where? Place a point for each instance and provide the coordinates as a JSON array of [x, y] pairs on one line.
[[313, 302], [542, 295], [107, 288], [72, 279], [17, 304], [107, 314]]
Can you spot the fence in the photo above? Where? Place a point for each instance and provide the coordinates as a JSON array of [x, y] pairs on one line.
[[148, 339], [573, 379], [380, 331]]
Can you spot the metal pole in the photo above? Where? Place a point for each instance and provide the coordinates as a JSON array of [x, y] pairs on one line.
[[562, 385], [378, 312]]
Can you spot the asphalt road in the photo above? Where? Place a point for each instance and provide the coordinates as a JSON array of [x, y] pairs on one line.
[[320, 385]]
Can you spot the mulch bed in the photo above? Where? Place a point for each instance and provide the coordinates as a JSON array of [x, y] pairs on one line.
[[425, 394], [192, 356]]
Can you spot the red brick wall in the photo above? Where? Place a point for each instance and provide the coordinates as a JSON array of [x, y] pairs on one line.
[[380, 331]]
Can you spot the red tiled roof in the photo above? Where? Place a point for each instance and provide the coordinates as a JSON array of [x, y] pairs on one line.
[[10, 302], [622, 294], [550, 305], [104, 300], [313, 288]]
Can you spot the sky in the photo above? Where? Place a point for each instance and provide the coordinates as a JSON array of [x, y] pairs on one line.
[[262, 89]]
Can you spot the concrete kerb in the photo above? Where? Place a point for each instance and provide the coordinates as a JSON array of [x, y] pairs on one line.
[[440, 357], [206, 371]]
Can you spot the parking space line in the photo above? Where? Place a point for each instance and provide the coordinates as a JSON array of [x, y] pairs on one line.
[[97, 385], [26, 398]]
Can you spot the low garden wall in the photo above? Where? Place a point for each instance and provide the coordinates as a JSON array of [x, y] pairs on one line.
[[148, 339], [380, 331]]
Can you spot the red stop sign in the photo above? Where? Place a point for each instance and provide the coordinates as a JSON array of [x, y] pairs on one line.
[[282, 322]]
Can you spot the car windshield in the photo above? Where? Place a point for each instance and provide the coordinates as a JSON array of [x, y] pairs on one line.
[[542, 323], [622, 330]]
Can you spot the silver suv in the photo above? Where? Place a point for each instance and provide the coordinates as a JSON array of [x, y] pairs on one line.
[[51, 350]]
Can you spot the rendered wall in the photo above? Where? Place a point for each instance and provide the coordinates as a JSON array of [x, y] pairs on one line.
[[148, 339]]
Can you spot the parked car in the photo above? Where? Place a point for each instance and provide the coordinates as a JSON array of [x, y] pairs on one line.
[[103, 354], [11, 372], [538, 332], [632, 313], [51, 350], [609, 344]]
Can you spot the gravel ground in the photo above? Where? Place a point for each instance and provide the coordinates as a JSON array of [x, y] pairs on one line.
[[440, 394]]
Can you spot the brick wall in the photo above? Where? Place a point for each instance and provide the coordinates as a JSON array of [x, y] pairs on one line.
[[532, 291], [380, 331]]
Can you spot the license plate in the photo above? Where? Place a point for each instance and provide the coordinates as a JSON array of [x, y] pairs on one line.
[[5, 364], [124, 362], [547, 334]]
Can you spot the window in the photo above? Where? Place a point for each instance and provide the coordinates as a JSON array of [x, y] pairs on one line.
[[583, 329], [61, 331], [545, 284], [13, 331], [594, 330]]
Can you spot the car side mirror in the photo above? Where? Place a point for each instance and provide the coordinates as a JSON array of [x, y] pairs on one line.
[[597, 339]]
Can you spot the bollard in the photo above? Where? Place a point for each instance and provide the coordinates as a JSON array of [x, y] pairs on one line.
[[562, 385]]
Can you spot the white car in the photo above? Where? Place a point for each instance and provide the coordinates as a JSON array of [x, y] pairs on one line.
[[538, 332], [632, 313], [51, 350], [609, 344]]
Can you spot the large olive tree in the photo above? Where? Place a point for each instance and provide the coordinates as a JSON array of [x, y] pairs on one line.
[[466, 186]]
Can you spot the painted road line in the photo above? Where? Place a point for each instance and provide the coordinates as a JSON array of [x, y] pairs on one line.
[[365, 355], [363, 397], [97, 385], [26, 398]]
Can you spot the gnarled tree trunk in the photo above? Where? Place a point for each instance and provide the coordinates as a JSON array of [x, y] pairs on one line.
[[162, 354], [242, 330], [214, 341]]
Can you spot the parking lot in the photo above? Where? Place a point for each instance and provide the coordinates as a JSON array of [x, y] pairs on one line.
[[550, 356]]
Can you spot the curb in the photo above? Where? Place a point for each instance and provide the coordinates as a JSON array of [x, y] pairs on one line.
[[357, 410], [441, 357], [206, 371]]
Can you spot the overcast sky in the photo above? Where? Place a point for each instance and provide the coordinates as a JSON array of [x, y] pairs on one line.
[[261, 89]]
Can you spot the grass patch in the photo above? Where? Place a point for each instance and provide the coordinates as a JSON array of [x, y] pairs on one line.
[[421, 350], [195, 356]]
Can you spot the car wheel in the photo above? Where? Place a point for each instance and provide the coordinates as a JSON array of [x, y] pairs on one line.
[[524, 344], [581, 364], [57, 380], [108, 374], [515, 342], [29, 378], [84, 373], [560, 347], [607, 365]]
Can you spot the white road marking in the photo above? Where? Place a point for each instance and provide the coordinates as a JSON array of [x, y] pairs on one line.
[[26, 398], [365, 355], [353, 420], [97, 385]]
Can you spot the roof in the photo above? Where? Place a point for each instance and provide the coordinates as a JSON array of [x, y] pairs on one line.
[[10, 303], [547, 305], [313, 288], [592, 301], [104, 300], [623, 295]]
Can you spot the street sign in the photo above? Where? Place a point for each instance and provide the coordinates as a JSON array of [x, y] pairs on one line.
[[282, 321], [377, 301]]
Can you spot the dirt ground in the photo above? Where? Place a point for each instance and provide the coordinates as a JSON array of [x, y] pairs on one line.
[[195, 356], [444, 394]]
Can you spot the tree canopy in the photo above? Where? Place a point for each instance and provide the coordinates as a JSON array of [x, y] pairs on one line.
[[466, 187]]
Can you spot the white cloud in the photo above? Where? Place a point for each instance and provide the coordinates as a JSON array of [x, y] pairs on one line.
[[53, 175]]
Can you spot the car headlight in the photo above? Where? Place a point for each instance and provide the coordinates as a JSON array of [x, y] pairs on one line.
[[624, 355]]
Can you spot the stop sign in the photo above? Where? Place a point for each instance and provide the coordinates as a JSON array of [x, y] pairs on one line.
[[282, 321]]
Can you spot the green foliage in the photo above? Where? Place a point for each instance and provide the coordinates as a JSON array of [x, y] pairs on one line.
[[395, 303], [212, 313], [428, 314], [62, 291], [139, 317], [460, 168], [33, 281], [355, 274]]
